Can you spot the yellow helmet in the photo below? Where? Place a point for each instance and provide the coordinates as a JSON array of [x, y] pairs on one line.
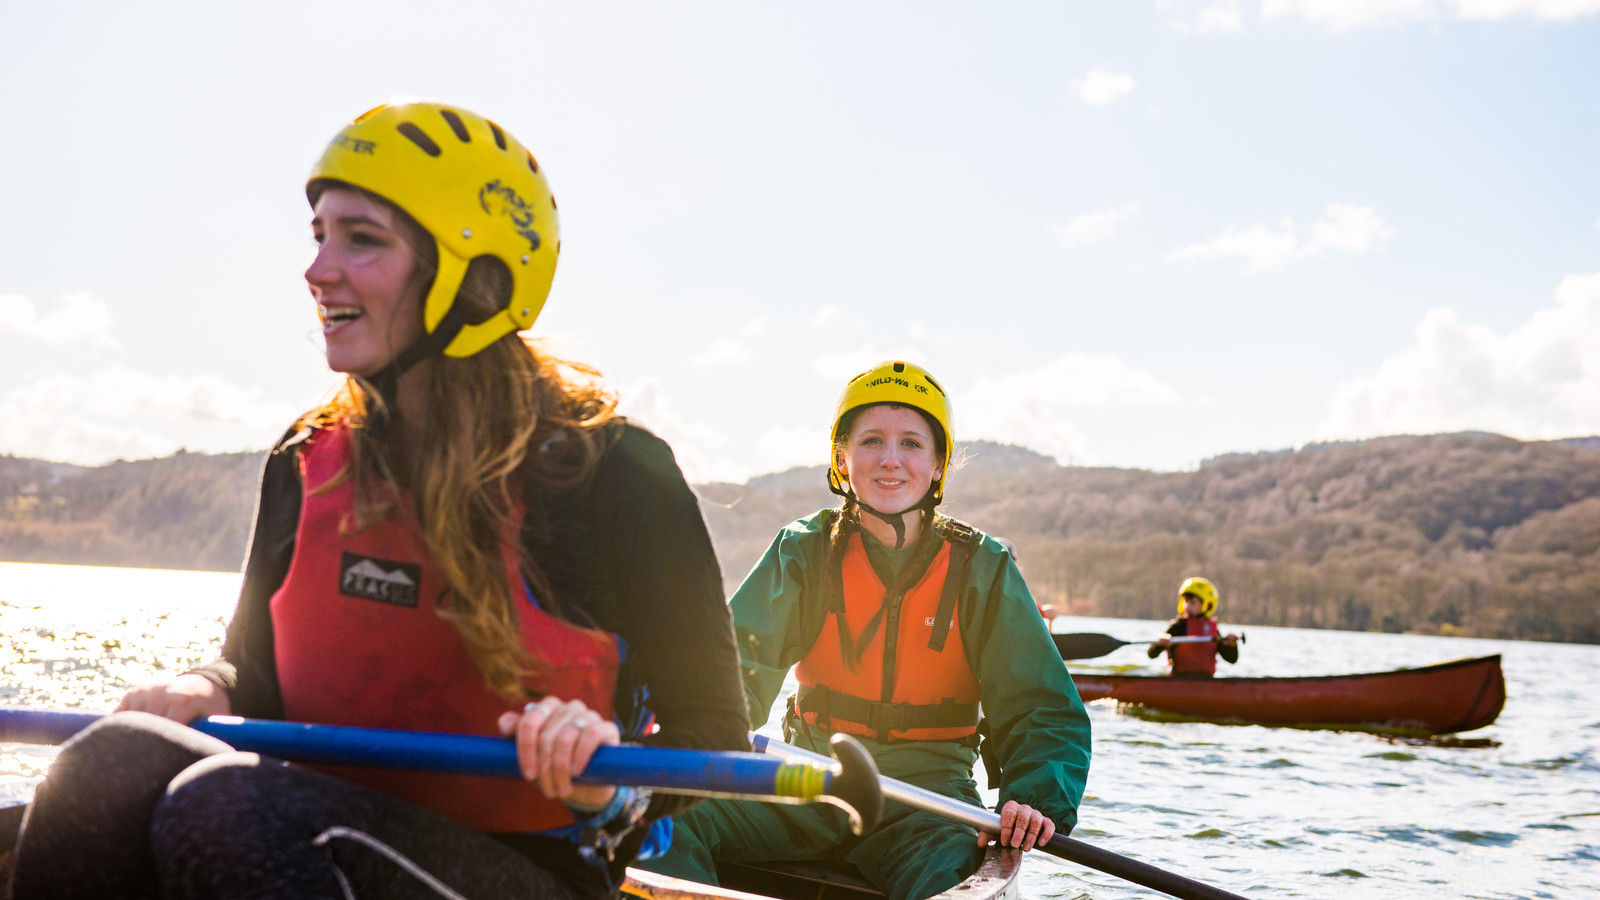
[[1205, 590], [901, 383], [475, 189]]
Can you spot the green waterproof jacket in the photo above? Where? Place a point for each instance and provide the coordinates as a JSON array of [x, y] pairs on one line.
[[1035, 719]]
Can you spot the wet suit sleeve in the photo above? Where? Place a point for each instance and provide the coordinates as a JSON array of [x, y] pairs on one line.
[[1175, 628], [1035, 715], [778, 612], [1229, 654], [247, 668], [661, 591]]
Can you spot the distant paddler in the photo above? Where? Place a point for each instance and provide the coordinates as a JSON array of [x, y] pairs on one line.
[[1197, 607], [899, 623]]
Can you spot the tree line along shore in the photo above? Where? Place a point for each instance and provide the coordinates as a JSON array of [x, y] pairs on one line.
[[1462, 534]]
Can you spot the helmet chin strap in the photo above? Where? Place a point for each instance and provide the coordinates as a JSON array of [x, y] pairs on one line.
[[897, 520], [387, 381]]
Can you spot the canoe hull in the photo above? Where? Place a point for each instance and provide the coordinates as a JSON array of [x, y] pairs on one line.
[[1440, 699]]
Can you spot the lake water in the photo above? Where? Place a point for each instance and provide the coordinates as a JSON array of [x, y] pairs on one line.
[[1508, 811]]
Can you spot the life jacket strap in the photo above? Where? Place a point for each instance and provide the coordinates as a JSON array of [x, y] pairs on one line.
[[955, 578], [882, 717]]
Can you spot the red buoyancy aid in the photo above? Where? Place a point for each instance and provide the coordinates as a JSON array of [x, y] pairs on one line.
[[358, 642], [1199, 658], [912, 681]]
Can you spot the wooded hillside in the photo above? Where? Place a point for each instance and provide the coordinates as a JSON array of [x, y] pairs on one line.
[[1467, 534], [1454, 534]]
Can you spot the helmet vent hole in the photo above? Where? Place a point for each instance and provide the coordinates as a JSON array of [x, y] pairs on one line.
[[899, 368], [456, 125], [419, 137], [553, 202], [533, 164], [499, 136], [935, 384]]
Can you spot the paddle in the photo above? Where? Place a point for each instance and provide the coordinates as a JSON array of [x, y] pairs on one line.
[[1088, 645], [849, 780], [1169, 883]]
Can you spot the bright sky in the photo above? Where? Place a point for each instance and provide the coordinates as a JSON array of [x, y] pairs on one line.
[[1130, 234]]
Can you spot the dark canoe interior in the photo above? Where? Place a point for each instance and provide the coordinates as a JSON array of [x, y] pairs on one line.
[[996, 880]]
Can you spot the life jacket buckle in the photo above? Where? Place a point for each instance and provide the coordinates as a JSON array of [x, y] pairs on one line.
[[886, 717]]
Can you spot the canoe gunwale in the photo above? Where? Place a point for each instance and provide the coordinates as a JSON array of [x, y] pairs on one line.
[[995, 879]]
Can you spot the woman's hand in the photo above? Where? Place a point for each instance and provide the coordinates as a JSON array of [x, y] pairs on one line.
[[1021, 826], [182, 699], [555, 739]]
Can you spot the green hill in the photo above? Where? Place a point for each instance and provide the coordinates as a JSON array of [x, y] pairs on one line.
[[1470, 534]]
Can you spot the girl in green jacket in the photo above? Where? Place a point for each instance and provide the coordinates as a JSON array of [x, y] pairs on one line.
[[900, 624]]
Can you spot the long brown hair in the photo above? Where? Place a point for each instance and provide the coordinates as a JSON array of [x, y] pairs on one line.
[[504, 420]]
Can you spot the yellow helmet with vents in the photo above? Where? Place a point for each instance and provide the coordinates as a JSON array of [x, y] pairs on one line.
[[904, 384], [1205, 590], [475, 189]]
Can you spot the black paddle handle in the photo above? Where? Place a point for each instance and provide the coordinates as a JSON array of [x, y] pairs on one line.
[[1170, 883]]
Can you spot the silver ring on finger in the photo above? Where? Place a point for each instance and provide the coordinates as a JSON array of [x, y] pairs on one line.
[[581, 723]]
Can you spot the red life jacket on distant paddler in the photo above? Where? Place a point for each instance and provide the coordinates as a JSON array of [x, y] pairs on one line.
[[1199, 658], [912, 680], [358, 642]]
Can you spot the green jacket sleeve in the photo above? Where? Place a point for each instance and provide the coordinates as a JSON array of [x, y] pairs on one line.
[[1035, 716], [774, 621]]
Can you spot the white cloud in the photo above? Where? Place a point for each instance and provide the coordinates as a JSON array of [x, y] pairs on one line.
[[1347, 228], [725, 351], [1034, 408], [120, 413], [841, 367], [80, 319], [705, 453], [1090, 227], [1340, 15], [1219, 17], [1540, 381], [1101, 86]]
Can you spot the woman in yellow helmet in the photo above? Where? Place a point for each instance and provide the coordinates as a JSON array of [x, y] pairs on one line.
[[462, 538], [1197, 606], [899, 623]]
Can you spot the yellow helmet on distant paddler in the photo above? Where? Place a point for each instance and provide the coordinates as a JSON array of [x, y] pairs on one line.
[[1205, 590], [904, 384], [475, 189]]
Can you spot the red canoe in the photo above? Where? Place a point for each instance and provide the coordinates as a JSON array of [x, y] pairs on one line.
[[1443, 698]]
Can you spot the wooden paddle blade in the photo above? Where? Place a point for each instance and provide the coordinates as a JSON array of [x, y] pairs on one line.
[[1086, 645]]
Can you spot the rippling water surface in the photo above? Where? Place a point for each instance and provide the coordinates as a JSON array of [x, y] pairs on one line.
[[1508, 811]]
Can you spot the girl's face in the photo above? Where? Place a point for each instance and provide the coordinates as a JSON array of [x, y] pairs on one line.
[[362, 278], [889, 458], [1193, 606]]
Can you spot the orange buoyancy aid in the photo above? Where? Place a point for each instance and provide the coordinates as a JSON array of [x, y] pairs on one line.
[[359, 641], [911, 681], [1199, 658]]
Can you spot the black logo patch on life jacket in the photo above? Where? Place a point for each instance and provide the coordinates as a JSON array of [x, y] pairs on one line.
[[371, 578]]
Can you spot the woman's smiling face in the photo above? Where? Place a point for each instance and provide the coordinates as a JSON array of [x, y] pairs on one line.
[[363, 280], [890, 458]]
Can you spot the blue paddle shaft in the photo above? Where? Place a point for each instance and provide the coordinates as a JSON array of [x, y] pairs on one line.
[[664, 769]]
